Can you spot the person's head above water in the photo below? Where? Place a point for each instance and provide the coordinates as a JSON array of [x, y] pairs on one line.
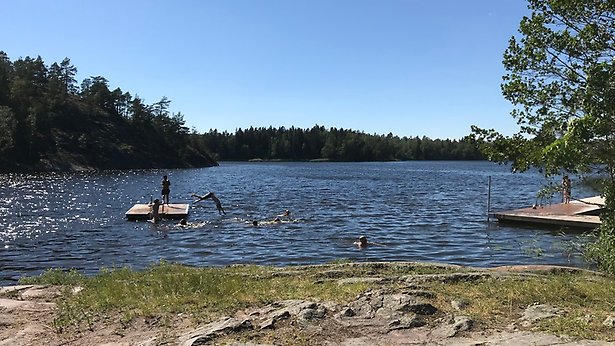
[[286, 212], [362, 240], [183, 222], [254, 223]]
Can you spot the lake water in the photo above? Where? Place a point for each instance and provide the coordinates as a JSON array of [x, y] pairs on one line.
[[415, 211]]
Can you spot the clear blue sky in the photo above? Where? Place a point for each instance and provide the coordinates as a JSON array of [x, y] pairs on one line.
[[410, 67]]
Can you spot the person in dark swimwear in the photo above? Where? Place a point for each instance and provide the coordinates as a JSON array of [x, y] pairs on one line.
[[166, 189], [213, 198], [155, 213]]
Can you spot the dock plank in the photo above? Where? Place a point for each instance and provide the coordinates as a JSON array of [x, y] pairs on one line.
[[168, 211], [573, 214]]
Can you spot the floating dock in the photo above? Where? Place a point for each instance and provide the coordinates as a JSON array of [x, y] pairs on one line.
[[167, 211], [581, 213]]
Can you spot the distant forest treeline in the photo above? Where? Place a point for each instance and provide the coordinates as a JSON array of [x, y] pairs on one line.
[[331, 144], [49, 122]]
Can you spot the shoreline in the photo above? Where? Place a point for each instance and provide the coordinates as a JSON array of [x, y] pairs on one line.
[[586, 267], [355, 303]]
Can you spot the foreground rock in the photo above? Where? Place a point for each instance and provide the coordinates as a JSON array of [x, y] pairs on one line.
[[25, 314], [376, 318]]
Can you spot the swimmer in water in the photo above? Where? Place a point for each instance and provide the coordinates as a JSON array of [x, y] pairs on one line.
[[286, 213], [362, 243], [284, 217], [213, 198], [275, 221]]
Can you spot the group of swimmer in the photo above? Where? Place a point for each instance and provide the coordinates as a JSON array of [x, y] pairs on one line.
[[166, 190], [277, 219]]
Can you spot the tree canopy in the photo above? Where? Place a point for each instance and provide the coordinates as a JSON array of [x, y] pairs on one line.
[[48, 122], [561, 80]]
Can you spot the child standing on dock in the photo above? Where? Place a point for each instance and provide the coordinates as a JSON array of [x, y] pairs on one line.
[[566, 187], [166, 189]]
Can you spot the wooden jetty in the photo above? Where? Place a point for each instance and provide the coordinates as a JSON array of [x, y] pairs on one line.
[[581, 213], [167, 211]]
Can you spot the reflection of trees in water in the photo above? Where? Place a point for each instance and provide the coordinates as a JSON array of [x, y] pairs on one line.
[[571, 246]]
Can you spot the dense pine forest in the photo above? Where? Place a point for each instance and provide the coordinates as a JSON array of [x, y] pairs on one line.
[[331, 144], [50, 123]]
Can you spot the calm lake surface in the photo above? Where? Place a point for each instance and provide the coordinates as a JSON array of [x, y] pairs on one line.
[[415, 211]]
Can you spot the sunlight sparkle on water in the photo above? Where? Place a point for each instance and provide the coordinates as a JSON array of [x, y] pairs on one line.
[[421, 211]]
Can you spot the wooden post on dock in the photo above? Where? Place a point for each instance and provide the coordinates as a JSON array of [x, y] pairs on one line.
[[489, 200]]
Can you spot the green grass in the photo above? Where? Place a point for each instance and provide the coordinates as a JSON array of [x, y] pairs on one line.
[[165, 289], [56, 276], [586, 301], [159, 293]]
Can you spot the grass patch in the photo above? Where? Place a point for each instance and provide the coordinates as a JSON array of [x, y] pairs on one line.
[[586, 301], [121, 295], [55, 276]]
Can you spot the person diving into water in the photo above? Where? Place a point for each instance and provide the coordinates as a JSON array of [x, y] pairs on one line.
[[213, 198]]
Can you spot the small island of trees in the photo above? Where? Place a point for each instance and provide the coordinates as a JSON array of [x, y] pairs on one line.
[[332, 145]]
